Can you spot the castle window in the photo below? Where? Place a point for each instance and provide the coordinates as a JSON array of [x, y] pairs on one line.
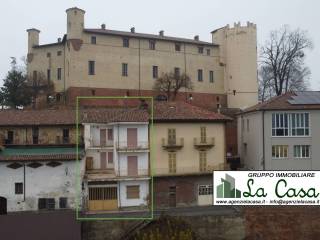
[[211, 76], [59, 53], [155, 71], [178, 47], [125, 41], [48, 54], [91, 69], [200, 77], [93, 40], [125, 69], [59, 74], [152, 44], [200, 50]]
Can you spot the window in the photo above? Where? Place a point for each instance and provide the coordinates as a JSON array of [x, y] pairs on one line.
[[301, 151], [248, 124], [65, 136], [48, 74], [125, 42], [125, 69], [93, 40], [200, 79], [290, 124], [63, 202], [208, 52], [171, 136], [203, 134], [110, 134], [211, 76], [18, 188], [35, 135], [172, 162], [59, 53], [48, 54], [152, 44], [178, 47], [93, 92], [46, 203], [279, 151], [280, 124], [176, 72], [300, 124], [155, 71], [202, 161], [133, 192], [91, 70], [59, 74], [35, 75], [205, 190], [200, 50], [9, 139]]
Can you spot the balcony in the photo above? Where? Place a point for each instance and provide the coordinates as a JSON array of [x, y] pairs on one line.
[[98, 144], [170, 145], [140, 146], [203, 144], [111, 174], [193, 170], [135, 173]]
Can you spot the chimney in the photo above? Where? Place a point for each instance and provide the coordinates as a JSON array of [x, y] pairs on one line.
[[132, 30], [59, 40], [161, 33], [103, 26], [196, 37]]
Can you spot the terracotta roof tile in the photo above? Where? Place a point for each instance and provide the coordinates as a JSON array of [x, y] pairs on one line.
[[182, 111]]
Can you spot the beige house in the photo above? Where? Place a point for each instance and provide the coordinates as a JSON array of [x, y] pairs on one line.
[[189, 144], [100, 61]]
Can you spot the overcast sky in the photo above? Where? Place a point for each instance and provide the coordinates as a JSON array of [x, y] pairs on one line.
[[182, 18]]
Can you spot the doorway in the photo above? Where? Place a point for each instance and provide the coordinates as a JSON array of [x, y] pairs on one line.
[[3, 206], [172, 196]]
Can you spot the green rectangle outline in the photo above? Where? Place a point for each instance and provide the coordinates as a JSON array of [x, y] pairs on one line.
[[78, 182]]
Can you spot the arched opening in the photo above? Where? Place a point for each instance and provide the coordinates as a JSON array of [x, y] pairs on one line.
[[3, 206]]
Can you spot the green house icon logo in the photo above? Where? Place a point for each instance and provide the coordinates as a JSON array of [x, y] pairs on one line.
[[227, 188]]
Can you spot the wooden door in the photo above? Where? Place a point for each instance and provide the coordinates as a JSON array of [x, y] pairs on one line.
[[103, 160], [132, 137], [3, 206], [172, 196], [132, 165], [103, 136], [89, 163]]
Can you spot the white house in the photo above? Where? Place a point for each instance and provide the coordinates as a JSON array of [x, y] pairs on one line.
[[117, 171], [282, 133]]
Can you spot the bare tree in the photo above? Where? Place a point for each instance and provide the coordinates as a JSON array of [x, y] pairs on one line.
[[39, 85], [282, 65], [170, 84]]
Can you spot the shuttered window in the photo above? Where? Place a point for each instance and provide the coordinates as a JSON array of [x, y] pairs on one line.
[[171, 136], [133, 192], [202, 161], [172, 162]]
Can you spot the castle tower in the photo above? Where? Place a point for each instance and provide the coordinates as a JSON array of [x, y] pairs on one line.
[[75, 22], [238, 53], [33, 38]]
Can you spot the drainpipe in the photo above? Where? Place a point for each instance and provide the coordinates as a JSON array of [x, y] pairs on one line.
[[139, 71], [263, 147], [119, 197], [24, 182]]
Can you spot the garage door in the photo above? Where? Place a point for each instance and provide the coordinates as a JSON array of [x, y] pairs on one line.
[[205, 195], [103, 198]]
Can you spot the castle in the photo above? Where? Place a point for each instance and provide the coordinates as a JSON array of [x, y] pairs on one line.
[[100, 62]]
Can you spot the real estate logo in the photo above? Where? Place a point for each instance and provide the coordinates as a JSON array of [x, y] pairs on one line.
[[227, 188], [266, 188]]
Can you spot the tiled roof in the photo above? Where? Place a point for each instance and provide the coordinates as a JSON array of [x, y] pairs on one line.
[[39, 154], [182, 111], [146, 36], [281, 103]]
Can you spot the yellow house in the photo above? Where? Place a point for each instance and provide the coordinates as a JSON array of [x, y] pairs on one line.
[[189, 145]]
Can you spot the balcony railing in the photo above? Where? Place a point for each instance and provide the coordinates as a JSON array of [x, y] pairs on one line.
[[203, 143], [98, 144], [139, 173], [189, 170], [96, 174], [127, 146], [169, 144]]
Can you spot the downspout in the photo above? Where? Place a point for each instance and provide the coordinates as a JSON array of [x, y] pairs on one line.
[[119, 163], [263, 147], [139, 70], [185, 67], [24, 182]]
